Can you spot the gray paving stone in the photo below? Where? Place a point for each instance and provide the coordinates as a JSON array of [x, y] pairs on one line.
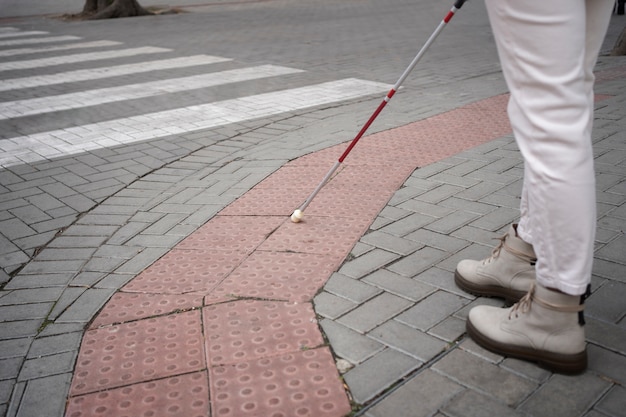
[[452, 222], [24, 311], [19, 329], [374, 312], [47, 393], [50, 345], [378, 373], [408, 340], [398, 285], [497, 219], [29, 296], [146, 258], [614, 251], [449, 330], [390, 243], [331, 306], [351, 289], [36, 281], [437, 240], [85, 306], [566, 395], [473, 404], [348, 344], [606, 335], [422, 207], [10, 368], [417, 262], [607, 363], [605, 302], [440, 193], [526, 369], [432, 310], [6, 387], [420, 396], [13, 348], [44, 366], [488, 379], [367, 263], [442, 279], [407, 224], [614, 403]]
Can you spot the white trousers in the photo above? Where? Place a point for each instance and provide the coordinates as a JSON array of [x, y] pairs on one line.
[[548, 49]]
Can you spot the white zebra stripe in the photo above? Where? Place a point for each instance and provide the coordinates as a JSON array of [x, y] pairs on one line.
[[39, 40], [70, 59], [40, 105], [106, 72], [13, 34], [47, 145], [80, 45]]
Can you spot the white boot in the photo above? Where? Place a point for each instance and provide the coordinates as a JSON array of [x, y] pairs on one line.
[[544, 327], [508, 272]]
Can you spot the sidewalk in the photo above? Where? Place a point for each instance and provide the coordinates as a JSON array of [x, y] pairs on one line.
[[248, 314], [240, 289]]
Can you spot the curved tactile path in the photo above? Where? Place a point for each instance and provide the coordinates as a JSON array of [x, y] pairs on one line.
[[223, 324]]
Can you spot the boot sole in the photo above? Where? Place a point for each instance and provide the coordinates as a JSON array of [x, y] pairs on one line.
[[570, 364], [487, 290]]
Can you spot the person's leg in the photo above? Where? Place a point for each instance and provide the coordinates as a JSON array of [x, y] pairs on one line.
[[547, 51], [551, 110]]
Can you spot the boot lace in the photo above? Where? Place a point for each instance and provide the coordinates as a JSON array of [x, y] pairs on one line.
[[524, 304], [495, 253]]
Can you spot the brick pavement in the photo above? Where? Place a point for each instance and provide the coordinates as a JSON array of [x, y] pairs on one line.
[[445, 210]]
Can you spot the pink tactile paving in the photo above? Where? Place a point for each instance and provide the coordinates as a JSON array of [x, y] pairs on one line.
[[186, 270], [251, 249], [179, 396], [302, 384], [242, 235], [320, 235], [140, 351], [267, 202], [124, 307], [279, 276], [245, 330]]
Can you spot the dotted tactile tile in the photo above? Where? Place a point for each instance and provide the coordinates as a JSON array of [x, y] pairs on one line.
[[365, 205], [139, 351], [244, 233], [279, 276], [261, 201], [186, 270], [318, 234], [302, 384], [245, 330], [179, 396], [125, 307]]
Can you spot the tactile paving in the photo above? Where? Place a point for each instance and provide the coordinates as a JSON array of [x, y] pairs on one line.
[[242, 234], [279, 276], [139, 351], [302, 384], [244, 330], [261, 201], [318, 234], [178, 396], [186, 270], [124, 307]]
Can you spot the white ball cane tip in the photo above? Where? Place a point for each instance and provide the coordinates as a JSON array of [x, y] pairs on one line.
[[297, 216]]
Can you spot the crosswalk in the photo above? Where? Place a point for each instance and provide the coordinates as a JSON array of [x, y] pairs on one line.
[[55, 87]]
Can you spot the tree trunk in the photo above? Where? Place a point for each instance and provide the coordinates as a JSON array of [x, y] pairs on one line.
[[105, 9], [620, 45]]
